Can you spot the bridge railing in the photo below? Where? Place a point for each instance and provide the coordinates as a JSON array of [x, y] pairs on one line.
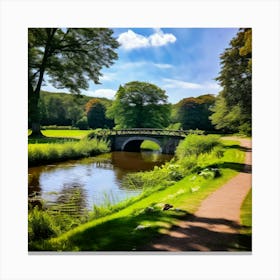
[[141, 131]]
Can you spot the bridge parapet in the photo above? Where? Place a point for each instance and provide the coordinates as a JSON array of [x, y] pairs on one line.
[[142, 131]]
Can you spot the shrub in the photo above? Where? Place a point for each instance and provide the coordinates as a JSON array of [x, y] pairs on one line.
[[41, 225], [82, 123], [195, 144]]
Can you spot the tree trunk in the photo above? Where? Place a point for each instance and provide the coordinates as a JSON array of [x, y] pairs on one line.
[[34, 95], [34, 112]]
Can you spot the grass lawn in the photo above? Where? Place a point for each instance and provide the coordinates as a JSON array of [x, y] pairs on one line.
[[142, 218], [246, 214], [66, 133], [58, 136]]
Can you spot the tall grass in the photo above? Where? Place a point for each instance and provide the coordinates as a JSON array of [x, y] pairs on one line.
[[195, 144], [193, 154], [50, 152]]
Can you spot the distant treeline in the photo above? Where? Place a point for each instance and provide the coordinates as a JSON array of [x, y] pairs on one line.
[[84, 112], [63, 109]]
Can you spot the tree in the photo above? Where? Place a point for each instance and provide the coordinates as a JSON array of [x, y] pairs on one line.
[[96, 114], [70, 57], [139, 105], [193, 113], [82, 123], [56, 112], [233, 109]]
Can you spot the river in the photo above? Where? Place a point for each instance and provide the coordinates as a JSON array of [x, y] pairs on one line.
[[90, 181]]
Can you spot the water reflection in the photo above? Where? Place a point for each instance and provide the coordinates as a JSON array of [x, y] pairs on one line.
[[71, 200], [81, 184]]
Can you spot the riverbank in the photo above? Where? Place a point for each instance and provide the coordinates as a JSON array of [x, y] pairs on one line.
[[217, 225], [39, 154], [136, 222]]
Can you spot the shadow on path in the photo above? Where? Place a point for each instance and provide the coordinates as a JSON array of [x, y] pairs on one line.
[[202, 234]]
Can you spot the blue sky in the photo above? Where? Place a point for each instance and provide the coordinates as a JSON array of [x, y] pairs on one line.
[[182, 61]]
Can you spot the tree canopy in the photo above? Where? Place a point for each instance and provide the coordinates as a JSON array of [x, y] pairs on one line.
[[139, 105], [194, 112], [69, 57], [96, 114], [233, 108]]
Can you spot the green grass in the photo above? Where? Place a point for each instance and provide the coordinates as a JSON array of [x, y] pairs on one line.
[[39, 154], [79, 134], [136, 221], [62, 133], [245, 236], [246, 214], [150, 145]]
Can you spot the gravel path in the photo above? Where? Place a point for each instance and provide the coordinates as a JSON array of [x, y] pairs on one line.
[[215, 226]]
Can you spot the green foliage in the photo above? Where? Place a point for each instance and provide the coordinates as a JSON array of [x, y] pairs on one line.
[[82, 123], [45, 224], [190, 154], [71, 57], [175, 126], [58, 127], [41, 225], [233, 108], [193, 113], [196, 144], [65, 110], [150, 145], [45, 153], [96, 115], [138, 105], [246, 214]]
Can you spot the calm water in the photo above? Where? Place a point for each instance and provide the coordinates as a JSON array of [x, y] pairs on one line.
[[89, 181]]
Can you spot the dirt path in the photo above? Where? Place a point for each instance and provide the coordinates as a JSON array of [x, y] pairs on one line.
[[215, 226]]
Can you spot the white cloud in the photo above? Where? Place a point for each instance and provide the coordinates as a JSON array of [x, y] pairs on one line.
[[132, 64], [104, 92], [161, 39], [162, 65], [130, 40], [208, 86], [171, 83], [144, 64]]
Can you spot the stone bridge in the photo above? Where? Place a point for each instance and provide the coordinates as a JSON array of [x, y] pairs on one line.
[[131, 139]]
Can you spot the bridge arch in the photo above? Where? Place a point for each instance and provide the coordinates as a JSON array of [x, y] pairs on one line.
[[134, 143]]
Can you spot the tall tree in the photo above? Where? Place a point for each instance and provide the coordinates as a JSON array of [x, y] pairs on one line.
[[194, 112], [70, 57], [96, 114], [233, 109], [139, 105]]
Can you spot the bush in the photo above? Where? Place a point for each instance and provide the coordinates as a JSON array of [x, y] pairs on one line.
[[41, 225], [175, 126], [245, 128], [195, 144], [82, 123]]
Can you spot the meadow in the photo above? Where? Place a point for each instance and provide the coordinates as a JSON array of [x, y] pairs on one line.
[[61, 145]]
